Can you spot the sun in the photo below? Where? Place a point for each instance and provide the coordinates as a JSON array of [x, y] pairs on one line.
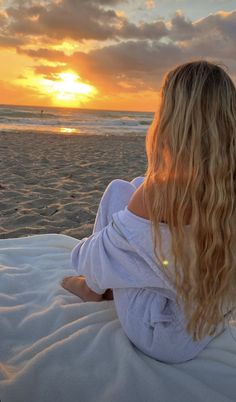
[[67, 89]]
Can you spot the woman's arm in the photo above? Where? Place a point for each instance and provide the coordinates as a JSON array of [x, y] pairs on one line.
[[78, 286]]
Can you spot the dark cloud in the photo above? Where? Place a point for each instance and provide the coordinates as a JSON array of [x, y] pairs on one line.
[[140, 54], [68, 19], [47, 72], [82, 20], [9, 41], [153, 31], [139, 63], [221, 23], [215, 37], [43, 53], [181, 28], [78, 20], [134, 57]]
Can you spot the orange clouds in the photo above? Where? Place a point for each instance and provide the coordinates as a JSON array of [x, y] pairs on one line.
[[122, 58]]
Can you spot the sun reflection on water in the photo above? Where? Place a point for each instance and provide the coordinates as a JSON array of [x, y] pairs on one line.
[[68, 130]]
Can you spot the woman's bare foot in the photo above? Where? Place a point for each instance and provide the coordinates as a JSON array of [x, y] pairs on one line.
[[78, 286]]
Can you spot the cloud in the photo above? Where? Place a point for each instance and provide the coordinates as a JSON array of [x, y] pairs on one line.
[[222, 23], [9, 41], [205, 32], [219, 26], [129, 56], [214, 37], [44, 53], [135, 57], [47, 72], [82, 20], [152, 31], [77, 20], [181, 28], [150, 4], [136, 65], [3, 18], [66, 19]]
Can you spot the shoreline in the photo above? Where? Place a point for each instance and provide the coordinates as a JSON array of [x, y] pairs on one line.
[[71, 134], [52, 183]]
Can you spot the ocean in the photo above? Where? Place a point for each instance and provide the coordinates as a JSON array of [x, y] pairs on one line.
[[73, 121]]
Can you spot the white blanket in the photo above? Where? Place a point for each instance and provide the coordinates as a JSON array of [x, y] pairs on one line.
[[55, 348]]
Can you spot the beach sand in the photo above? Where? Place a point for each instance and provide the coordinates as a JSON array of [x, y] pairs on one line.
[[53, 183]]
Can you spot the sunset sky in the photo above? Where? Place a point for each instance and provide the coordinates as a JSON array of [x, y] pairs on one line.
[[108, 54]]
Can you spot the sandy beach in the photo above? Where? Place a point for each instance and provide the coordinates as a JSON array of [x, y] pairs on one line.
[[53, 183]]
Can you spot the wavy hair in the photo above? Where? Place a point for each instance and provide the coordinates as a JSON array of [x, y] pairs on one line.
[[190, 182]]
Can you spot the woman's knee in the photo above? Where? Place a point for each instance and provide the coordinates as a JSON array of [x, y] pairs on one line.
[[121, 190], [119, 185], [115, 198]]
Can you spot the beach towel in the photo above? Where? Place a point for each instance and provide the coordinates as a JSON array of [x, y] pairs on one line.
[[55, 347]]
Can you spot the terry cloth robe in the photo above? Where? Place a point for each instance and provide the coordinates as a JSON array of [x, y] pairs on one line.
[[119, 256]]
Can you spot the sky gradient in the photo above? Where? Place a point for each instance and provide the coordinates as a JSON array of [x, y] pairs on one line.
[[108, 54]]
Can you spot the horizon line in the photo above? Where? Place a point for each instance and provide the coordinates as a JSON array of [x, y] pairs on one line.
[[77, 108]]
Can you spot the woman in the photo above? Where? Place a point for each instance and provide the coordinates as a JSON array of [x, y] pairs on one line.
[[165, 244]]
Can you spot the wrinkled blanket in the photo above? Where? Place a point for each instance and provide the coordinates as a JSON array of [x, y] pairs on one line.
[[54, 347]]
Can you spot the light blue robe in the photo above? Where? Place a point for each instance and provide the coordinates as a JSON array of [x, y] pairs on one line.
[[119, 255]]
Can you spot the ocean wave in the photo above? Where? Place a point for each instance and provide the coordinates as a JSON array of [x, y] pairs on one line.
[[72, 120]]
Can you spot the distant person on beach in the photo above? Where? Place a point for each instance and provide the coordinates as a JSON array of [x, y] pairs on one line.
[[41, 113], [163, 245]]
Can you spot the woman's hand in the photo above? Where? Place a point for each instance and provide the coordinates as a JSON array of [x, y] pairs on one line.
[[78, 286]]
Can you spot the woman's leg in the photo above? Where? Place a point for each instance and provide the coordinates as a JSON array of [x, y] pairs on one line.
[[115, 198]]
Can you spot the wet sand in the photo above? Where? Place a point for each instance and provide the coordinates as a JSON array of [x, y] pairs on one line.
[[53, 183]]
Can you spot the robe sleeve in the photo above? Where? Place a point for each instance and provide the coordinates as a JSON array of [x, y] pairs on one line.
[[108, 260]]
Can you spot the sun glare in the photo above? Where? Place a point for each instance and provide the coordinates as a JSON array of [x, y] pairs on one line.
[[67, 89]]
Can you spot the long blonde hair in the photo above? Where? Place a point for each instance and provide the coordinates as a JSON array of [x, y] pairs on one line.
[[191, 182]]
